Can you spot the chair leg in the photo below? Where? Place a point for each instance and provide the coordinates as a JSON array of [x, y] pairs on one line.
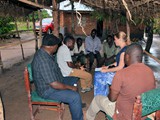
[[158, 115], [31, 111], [36, 111], [61, 112]]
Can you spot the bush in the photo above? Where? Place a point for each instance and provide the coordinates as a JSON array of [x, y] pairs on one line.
[[5, 25]]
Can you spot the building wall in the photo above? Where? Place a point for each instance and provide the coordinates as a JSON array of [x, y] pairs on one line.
[[88, 23]]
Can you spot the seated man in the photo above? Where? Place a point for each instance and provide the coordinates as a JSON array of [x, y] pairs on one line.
[[79, 52], [49, 81], [68, 68], [127, 84], [93, 47], [109, 50]]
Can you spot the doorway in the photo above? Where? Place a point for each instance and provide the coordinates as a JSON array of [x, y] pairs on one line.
[[99, 28]]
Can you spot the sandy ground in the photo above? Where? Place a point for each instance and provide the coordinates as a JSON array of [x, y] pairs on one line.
[[15, 98]]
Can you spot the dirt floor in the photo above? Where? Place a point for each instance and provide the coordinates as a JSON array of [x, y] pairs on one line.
[[12, 82], [15, 98]]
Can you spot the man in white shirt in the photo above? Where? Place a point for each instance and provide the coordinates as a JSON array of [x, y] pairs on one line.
[[68, 68], [79, 52]]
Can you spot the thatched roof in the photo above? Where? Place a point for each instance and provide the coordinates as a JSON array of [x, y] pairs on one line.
[[135, 7], [18, 8]]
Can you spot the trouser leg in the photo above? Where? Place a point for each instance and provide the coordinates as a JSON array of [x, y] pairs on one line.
[[100, 103], [98, 58], [85, 77], [70, 97], [91, 60]]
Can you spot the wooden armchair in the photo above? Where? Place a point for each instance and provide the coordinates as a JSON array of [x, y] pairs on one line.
[[145, 104], [34, 99]]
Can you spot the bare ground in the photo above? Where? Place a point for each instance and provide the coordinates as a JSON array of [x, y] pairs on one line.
[[15, 98]]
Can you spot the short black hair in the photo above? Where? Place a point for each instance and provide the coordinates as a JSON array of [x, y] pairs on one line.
[[67, 38], [94, 30], [78, 39], [135, 50], [50, 40]]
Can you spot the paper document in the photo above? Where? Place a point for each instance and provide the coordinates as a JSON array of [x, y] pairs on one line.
[[98, 69]]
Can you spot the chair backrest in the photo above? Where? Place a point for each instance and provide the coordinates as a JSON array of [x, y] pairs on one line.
[[29, 67], [146, 103], [27, 81]]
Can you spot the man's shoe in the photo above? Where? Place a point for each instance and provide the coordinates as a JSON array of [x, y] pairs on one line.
[[85, 90]]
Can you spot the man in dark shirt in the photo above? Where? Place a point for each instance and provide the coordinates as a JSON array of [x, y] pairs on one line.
[[49, 81]]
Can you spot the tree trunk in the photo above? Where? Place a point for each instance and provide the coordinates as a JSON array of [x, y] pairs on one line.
[[55, 17], [34, 30], [27, 23], [72, 3], [128, 29], [40, 29]]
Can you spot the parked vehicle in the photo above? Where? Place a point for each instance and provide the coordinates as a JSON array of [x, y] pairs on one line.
[[47, 26]]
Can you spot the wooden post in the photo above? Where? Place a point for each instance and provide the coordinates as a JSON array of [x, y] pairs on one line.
[[128, 29], [40, 29], [1, 64], [19, 39], [15, 20], [27, 23], [55, 17], [72, 4], [34, 30]]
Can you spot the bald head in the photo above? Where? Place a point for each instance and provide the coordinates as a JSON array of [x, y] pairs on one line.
[[133, 54]]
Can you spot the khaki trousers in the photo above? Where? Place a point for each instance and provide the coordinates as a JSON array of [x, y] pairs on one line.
[[85, 77], [100, 103]]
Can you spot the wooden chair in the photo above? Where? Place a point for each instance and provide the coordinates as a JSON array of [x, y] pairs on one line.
[[34, 99], [145, 104]]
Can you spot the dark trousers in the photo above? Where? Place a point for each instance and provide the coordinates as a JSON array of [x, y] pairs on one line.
[[72, 98], [91, 57]]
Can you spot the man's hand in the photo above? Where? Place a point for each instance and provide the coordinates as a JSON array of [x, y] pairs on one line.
[[104, 69], [82, 68], [74, 88]]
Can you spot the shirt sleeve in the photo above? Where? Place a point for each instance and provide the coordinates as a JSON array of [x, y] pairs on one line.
[[98, 48], [87, 46], [117, 82], [67, 55]]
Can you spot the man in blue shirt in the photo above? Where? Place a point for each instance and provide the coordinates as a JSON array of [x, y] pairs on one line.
[[49, 81], [93, 47]]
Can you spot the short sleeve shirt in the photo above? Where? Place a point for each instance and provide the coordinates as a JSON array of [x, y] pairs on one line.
[[109, 51], [64, 56], [45, 71], [130, 82]]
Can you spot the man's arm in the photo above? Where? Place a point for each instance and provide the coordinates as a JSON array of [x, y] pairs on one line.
[[60, 86], [71, 65], [113, 95]]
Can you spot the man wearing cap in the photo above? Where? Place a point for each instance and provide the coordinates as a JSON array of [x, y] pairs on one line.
[[49, 81]]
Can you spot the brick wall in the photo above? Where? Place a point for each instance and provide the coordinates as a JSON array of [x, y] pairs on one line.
[[87, 22]]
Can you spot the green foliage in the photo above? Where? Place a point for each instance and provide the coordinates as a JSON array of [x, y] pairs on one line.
[[101, 15], [5, 25], [98, 15], [36, 17]]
